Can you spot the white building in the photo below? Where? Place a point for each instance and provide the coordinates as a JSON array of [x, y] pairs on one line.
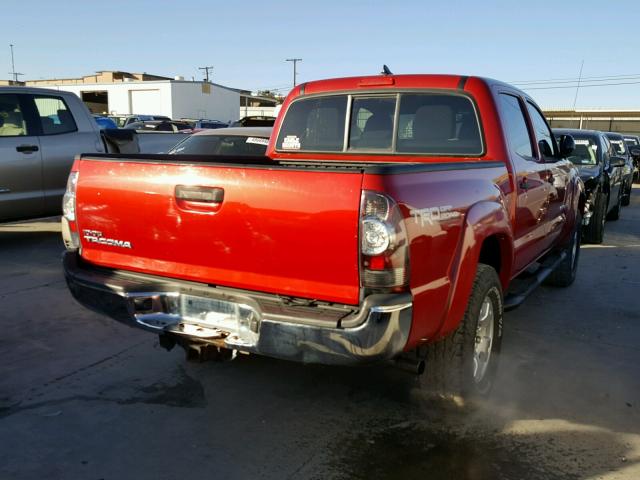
[[122, 93]]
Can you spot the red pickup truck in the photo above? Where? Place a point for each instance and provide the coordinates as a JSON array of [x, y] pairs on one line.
[[395, 217]]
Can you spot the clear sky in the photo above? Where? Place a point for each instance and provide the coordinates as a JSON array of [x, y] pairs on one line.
[[247, 42]]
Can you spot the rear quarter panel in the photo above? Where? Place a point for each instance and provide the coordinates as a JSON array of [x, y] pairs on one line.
[[447, 215]]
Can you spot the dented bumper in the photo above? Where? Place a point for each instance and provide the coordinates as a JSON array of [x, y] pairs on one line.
[[291, 329]]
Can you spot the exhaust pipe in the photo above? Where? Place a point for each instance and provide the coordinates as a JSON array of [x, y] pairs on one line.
[[202, 352], [415, 366], [197, 352]]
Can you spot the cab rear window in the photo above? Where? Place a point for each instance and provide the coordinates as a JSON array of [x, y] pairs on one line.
[[401, 123]]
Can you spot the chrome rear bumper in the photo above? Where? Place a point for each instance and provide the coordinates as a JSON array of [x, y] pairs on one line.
[[311, 333]]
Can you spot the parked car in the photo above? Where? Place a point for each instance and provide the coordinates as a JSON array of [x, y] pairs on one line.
[[245, 141], [124, 120], [208, 124], [41, 131], [602, 173], [104, 122], [256, 121], [161, 126], [620, 146], [633, 145], [388, 221]]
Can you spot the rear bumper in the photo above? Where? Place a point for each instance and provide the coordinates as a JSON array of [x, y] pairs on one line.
[[282, 328]]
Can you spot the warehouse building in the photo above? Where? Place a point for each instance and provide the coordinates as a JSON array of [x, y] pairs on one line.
[[622, 121], [121, 93]]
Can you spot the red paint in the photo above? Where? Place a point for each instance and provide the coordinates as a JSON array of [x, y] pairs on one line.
[[294, 232], [277, 231]]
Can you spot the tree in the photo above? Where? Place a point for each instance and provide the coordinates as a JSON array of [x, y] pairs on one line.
[[270, 94]]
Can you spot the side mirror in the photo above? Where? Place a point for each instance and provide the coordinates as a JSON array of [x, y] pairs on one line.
[[567, 145], [635, 151], [617, 162], [545, 149]]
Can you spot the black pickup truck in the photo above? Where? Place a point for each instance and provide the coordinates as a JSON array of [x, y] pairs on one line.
[[603, 175]]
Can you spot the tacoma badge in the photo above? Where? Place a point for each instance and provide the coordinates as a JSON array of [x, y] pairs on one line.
[[95, 236]]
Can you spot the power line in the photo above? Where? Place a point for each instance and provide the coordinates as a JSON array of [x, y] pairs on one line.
[[574, 79], [582, 85]]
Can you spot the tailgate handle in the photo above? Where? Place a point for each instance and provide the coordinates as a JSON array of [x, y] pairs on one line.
[[199, 194]]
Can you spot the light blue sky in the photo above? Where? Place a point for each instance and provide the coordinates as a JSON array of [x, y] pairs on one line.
[[248, 41]]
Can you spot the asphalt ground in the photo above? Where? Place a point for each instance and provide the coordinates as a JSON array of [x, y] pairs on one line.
[[83, 397]]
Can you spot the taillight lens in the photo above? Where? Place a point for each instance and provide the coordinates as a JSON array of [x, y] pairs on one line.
[[384, 251], [69, 198], [69, 229]]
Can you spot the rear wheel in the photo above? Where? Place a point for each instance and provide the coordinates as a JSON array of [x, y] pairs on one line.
[[465, 362], [594, 233], [614, 214], [565, 272], [626, 199]]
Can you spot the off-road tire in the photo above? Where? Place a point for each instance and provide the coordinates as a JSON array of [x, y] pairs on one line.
[[614, 214], [565, 272], [450, 361], [594, 233]]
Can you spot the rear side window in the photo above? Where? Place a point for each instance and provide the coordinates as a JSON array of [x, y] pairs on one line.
[[515, 126], [55, 117], [543, 133], [424, 123], [438, 124], [314, 125], [12, 122]]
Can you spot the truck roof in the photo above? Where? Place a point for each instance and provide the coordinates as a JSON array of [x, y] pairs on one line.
[[394, 82], [33, 90]]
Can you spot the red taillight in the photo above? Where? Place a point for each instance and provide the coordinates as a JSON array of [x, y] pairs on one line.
[[69, 227], [384, 251], [376, 263]]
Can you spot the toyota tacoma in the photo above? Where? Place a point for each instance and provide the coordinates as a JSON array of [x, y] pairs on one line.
[[394, 218]]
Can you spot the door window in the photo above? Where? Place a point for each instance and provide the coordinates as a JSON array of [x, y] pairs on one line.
[[515, 126], [543, 133], [12, 121], [55, 117]]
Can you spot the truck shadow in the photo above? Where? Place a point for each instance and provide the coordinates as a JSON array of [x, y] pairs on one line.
[[38, 234], [25, 231]]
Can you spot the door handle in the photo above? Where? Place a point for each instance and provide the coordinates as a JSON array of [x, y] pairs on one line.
[[27, 148]]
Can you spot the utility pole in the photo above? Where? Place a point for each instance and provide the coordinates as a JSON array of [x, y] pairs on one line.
[[295, 61], [206, 72], [13, 66]]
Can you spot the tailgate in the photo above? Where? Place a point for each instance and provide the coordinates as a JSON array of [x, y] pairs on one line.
[[279, 230]]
